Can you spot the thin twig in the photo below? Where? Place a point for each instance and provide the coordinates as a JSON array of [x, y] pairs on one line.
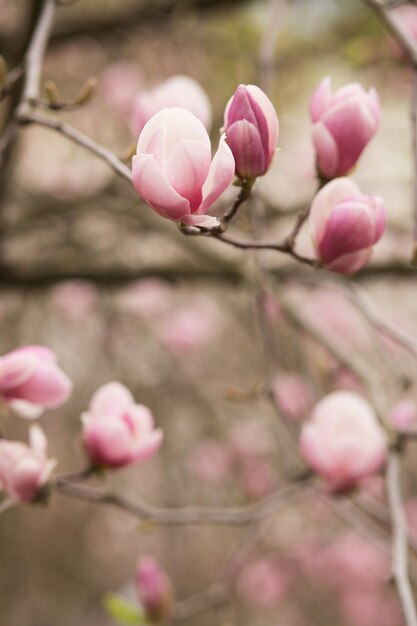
[[36, 52], [188, 515]]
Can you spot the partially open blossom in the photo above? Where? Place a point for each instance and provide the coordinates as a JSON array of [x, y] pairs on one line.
[[154, 590], [178, 91], [345, 224], [173, 171], [31, 381], [343, 440], [344, 123], [251, 126], [25, 469], [117, 431]]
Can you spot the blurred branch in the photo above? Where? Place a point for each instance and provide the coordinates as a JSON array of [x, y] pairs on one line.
[[399, 536], [396, 25], [189, 515], [28, 117]]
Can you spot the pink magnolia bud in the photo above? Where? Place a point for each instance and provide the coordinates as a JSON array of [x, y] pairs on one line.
[[344, 123], [211, 461], [117, 431], [31, 381], [173, 171], [343, 441], [344, 225], [177, 91], [251, 126], [154, 590], [25, 469]]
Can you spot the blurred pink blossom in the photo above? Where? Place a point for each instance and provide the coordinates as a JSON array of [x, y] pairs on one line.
[[25, 469], [343, 440], [251, 439], [344, 123], [404, 414], [262, 583], [293, 395], [119, 84], [116, 431], [177, 91], [74, 299], [211, 461], [258, 477], [189, 328], [147, 298], [154, 590], [31, 381]]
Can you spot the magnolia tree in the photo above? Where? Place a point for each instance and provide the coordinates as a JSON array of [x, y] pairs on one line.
[[343, 448]]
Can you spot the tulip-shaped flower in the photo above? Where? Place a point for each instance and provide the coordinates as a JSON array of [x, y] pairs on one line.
[[344, 225], [25, 469], [343, 441], [31, 381], [251, 126], [178, 91], [154, 590], [344, 123], [116, 431], [172, 169]]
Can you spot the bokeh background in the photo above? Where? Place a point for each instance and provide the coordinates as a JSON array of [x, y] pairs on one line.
[[119, 294]]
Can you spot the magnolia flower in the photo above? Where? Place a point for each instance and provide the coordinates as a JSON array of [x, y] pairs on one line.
[[116, 431], [345, 224], [251, 126], [173, 171], [154, 590], [25, 469], [343, 440], [178, 91], [31, 381], [344, 123]]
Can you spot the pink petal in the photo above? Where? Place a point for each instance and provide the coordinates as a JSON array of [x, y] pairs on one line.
[[350, 262], [187, 170], [108, 442], [48, 386], [38, 440], [221, 173], [268, 110], [150, 446], [111, 400], [325, 200], [326, 149], [245, 143], [26, 409], [16, 368], [155, 189], [349, 228], [321, 99], [352, 125]]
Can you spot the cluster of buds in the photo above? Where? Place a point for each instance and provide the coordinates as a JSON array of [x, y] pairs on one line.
[[173, 172]]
